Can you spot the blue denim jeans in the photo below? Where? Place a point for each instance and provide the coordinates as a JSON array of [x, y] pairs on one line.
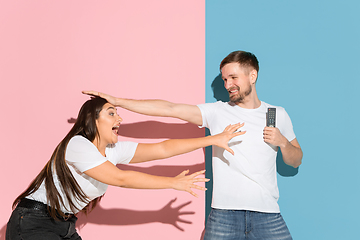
[[240, 224], [31, 224]]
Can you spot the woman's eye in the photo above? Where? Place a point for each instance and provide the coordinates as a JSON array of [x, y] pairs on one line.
[[112, 114]]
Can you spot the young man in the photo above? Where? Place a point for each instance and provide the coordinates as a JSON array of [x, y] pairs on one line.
[[245, 191]]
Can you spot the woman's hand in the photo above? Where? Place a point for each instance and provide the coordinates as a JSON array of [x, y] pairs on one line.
[[109, 174], [108, 97], [222, 139], [186, 183]]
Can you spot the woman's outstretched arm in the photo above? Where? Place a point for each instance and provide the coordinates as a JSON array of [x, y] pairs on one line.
[[110, 174], [173, 147]]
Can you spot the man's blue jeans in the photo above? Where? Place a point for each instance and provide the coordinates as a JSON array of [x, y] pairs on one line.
[[240, 224]]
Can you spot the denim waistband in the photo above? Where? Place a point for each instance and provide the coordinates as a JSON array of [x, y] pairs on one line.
[[36, 205]]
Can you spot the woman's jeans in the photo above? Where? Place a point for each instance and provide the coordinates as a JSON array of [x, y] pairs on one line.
[[240, 224], [33, 224]]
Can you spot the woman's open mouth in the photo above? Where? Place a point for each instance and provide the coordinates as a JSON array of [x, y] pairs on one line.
[[115, 129]]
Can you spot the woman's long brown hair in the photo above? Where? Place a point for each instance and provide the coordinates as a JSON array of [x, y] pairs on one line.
[[85, 126]]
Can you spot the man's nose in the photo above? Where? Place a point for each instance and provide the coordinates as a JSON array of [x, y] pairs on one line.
[[228, 84]]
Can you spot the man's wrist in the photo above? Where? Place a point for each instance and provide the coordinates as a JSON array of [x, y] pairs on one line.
[[284, 144], [118, 102]]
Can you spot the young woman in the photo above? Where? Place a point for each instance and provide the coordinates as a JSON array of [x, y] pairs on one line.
[[84, 164]]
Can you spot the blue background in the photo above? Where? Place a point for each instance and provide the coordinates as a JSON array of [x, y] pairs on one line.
[[309, 60]]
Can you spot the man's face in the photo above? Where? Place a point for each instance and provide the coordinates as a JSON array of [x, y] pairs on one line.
[[236, 81]]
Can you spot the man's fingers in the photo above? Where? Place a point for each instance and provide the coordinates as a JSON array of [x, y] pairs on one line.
[[91, 93]]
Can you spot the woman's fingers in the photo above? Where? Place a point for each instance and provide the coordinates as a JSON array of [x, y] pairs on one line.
[[183, 173], [240, 133], [200, 180], [195, 174], [190, 181], [236, 126], [192, 193], [232, 128], [194, 186], [198, 187], [230, 132], [230, 150], [194, 178]]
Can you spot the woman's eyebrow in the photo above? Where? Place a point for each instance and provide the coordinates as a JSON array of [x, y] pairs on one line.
[[110, 108]]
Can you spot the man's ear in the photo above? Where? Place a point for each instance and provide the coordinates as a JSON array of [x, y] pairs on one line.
[[253, 76]]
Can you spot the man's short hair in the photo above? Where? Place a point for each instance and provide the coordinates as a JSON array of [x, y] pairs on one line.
[[245, 59]]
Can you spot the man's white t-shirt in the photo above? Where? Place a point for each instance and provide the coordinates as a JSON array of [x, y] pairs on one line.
[[246, 180], [82, 155]]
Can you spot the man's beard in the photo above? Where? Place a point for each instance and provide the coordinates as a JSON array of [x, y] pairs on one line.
[[239, 98]]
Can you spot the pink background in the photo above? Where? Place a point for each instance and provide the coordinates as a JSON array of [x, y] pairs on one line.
[[51, 50]]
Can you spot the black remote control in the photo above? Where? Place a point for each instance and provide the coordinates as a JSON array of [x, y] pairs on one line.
[[270, 117]]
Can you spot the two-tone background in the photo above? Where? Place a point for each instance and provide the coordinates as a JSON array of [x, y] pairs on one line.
[[309, 61]]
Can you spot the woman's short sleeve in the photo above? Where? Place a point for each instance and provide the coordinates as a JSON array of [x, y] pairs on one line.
[[121, 152], [82, 154]]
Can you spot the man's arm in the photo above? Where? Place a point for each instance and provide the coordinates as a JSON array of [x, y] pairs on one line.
[[291, 151], [161, 108]]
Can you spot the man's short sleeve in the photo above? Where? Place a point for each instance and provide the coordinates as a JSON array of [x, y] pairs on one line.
[[285, 125], [207, 110]]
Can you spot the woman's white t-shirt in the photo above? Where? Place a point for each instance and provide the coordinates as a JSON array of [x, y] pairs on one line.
[[82, 155]]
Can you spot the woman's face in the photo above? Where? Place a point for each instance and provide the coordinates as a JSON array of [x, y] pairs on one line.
[[108, 125]]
